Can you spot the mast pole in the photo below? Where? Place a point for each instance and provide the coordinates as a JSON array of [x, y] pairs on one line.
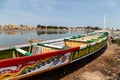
[[104, 22]]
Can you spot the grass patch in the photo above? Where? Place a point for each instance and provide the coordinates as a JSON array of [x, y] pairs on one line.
[[117, 41]]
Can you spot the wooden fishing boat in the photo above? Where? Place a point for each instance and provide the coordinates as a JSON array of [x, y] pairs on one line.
[[31, 59]]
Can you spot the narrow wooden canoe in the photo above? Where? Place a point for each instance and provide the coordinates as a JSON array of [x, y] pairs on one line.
[[37, 58]]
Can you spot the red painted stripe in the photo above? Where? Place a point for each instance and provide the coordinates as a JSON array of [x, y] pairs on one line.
[[21, 60]]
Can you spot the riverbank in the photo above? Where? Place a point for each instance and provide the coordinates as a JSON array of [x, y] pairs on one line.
[[104, 65]]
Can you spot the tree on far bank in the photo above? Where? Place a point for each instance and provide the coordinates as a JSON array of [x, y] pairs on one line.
[[94, 28]]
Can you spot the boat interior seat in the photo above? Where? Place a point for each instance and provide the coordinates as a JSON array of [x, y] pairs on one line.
[[74, 43], [88, 38], [44, 48], [80, 41], [47, 49], [41, 49]]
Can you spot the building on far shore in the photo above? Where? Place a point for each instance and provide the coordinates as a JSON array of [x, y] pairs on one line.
[[25, 27], [14, 27], [9, 27]]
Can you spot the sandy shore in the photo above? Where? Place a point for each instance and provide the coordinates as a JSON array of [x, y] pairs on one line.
[[104, 65]]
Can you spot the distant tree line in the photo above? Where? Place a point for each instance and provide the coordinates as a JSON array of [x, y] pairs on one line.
[[66, 28], [51, 27], [93, 28], [39, 26]]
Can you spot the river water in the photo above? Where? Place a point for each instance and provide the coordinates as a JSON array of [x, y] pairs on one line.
[[14, 37]]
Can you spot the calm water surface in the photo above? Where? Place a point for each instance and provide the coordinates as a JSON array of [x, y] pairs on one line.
[[13, 37]]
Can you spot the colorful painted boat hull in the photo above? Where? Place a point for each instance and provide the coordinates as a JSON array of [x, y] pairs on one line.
[[17, 68]]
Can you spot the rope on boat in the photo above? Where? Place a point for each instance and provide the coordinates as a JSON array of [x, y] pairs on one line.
[[21, 51]]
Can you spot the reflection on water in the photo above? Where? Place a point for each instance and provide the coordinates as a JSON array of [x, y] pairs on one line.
[[0, 32], [40, 32], [12, 37], [88, 31], [11, 32]]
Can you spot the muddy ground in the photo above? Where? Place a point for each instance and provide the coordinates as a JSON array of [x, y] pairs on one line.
[[103, 65]]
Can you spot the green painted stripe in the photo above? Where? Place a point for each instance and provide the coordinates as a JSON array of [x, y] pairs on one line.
[[27, 54], [66, 39], [90, 41], [33, 45], [14, 48], [41, 44]]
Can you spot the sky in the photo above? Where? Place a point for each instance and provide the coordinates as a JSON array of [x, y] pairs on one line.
[[61, 12]]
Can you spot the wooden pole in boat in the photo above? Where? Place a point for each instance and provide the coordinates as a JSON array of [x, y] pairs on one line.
[[14, 54], [30, 48], [21, 51]]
